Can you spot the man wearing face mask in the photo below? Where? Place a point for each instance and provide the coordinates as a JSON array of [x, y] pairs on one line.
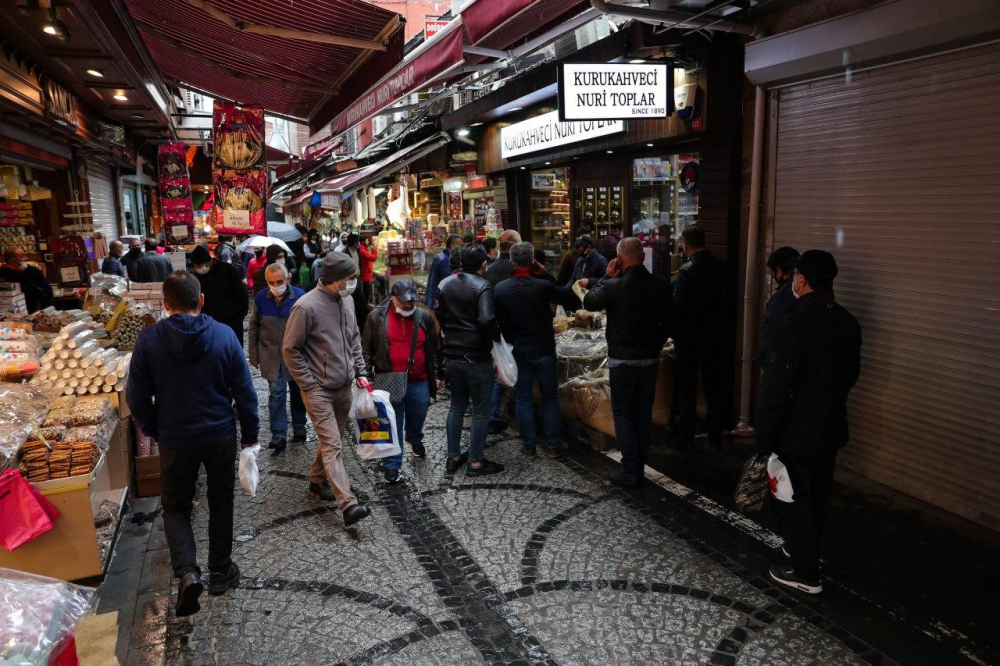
[[268, 318], [322, 351], [802, 411], [133, 255], [226, 299], [35, 287], [112, 264], [781, 263], [591, 265], [400, 337]]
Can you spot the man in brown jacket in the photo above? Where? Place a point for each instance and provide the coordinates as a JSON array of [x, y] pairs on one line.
[[322, 350]]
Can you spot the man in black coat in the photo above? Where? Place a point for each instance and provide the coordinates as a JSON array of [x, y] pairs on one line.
[[781, 263], [34, 285], [226, 299], [700, 296], [112, 264], [502, 268], [640, 319], [132, 257], [802, 411], [523, 307], [591, 264], [152, 267]]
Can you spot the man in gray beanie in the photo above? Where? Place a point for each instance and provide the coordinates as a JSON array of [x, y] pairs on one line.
[[322, 350]]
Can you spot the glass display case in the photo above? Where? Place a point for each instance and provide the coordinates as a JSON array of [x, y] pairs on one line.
[[664, 199], [550, 214]]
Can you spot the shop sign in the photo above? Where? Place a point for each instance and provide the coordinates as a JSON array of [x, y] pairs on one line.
[[60, 104], [614, 91], [440, 56], [432, 26], [9, 145], [546, 131]]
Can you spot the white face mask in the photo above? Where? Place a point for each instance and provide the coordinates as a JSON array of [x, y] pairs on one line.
[[405, 313], [23, 265], [202, 270], [279, 291], [795, 292], [349, 288]]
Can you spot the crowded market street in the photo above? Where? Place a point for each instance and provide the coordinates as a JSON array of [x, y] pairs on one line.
[[546, 564]]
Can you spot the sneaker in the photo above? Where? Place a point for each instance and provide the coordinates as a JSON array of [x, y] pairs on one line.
[[353, 514], [620, 478], [418, 450], [486, 467], [785, 574], [530, 454], [557, 452], [298, 433], [277, 445], [391, 475], [220, 582], [452, 465], [189, 589], [322, 490], [497, 427]]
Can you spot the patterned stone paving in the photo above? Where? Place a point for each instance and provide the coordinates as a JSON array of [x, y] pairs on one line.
[[543, 564]]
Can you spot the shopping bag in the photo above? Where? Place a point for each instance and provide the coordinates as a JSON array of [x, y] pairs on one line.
[[753, 487], [362, 404], [24, 512], [377, 436], [503, 361], [778, 479], [249, 475]]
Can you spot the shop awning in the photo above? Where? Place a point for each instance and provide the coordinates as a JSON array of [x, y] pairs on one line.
[[504, 24], [360, 178], [302, 198], [290, 57]]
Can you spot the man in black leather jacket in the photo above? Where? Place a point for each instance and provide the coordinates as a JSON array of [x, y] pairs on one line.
[[640, 319], [465, 311], [781, 263], [700, 342], [802, 411]]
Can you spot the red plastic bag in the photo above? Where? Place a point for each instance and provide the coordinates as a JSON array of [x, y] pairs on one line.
[[24, 512]]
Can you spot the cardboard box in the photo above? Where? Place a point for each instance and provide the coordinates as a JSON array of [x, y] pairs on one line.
[[120, 456], [147, 476]]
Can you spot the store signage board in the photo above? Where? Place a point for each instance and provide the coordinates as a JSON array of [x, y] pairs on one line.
[[547, 131], [614, 91], [432, 26], [439, 56]]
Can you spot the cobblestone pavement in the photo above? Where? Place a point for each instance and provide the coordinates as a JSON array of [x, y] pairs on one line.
[[542, 564]]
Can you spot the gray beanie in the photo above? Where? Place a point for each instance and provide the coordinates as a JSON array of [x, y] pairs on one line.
[[338, 266]]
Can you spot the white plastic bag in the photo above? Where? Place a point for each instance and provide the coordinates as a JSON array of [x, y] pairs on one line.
[[249, 476], [777, 478], [503, 360], [377, 436], [560, 311], [362, 404]]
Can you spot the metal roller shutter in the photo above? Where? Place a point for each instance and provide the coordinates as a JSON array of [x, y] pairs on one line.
[[102, 199], [896, 171]]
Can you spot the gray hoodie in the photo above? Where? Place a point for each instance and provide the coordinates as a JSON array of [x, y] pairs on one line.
[[322, 345]]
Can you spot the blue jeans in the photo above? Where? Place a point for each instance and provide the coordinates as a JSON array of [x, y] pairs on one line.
[[496, 416], [410, 413], [469, 380], [278, 391], [542, 370], [632, 392]]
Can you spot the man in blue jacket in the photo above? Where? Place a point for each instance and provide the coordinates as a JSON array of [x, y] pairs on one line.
[[441, 268], [186, 372]]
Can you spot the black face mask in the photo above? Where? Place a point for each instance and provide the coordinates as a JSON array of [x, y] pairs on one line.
[[258, 252]]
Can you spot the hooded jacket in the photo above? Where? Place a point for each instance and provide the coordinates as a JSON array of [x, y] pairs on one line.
[[322, 345], [226, 298], [194, 368]]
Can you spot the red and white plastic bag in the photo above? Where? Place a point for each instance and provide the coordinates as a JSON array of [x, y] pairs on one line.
[[778, 480]]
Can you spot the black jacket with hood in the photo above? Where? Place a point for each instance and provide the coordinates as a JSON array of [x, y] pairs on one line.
[[226, 298]]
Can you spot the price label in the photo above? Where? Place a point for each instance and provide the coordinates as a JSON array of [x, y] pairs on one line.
[[179, 231], [69, 274], [236, 219]]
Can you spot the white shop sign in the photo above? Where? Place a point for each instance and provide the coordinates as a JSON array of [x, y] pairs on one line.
[[613, 91], [546, 131]]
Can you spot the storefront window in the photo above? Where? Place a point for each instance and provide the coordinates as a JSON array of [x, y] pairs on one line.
[[664, 202], [550, 214]]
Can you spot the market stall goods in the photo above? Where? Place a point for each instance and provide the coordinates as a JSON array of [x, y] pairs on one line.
[[22, 407], [239, 170], [37, 616]]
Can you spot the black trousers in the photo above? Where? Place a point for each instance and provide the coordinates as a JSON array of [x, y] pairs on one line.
[[801, 522], [237, 326], [179, 476], [694, 357], [633, 389]]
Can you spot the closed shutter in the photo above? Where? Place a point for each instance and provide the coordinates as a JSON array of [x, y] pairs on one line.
[[896, 171], [102, 199]]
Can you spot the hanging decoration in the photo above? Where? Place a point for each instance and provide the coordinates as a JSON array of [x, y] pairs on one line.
[[239, 169], [175, 194]]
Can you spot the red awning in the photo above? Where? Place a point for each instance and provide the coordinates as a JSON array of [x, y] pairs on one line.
[[288, 75], [503, 24], [299, 199], [353, 180]]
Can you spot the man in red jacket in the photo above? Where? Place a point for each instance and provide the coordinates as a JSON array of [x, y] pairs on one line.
[[368, 252]]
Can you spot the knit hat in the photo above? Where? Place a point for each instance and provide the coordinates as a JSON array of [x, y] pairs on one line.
[[819, 268], [200, 255], [784, 257], [338, 266]]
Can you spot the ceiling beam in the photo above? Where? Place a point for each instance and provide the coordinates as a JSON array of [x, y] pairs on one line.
[[205, 60], [286, 33]]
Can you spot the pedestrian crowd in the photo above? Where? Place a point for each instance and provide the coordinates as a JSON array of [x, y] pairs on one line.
[[316, 337]]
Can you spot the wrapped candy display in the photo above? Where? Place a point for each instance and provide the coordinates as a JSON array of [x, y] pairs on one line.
[[37, 616], [22, 407], [239, 169], [175, 193]]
